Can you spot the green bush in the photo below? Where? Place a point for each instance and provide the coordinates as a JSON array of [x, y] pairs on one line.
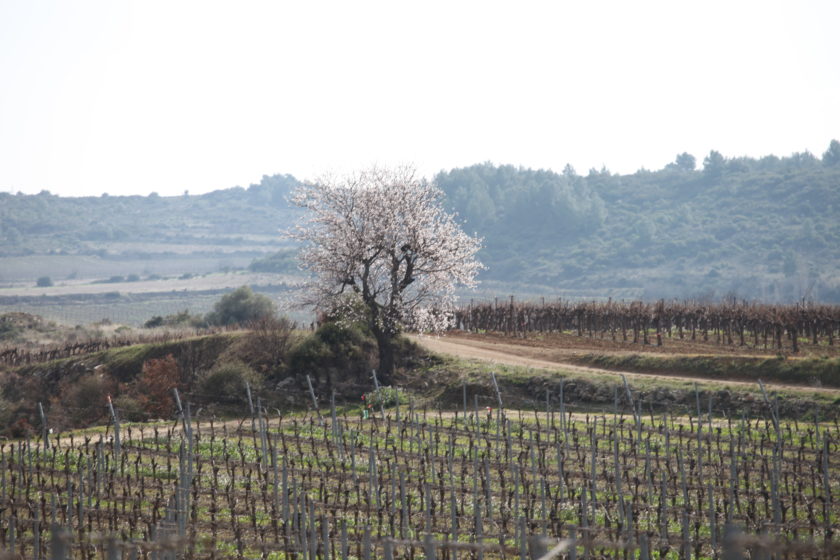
[[284, 261], [129, 409], [181, 319], [241, 306], [385, 396], [44, 282], [8, 331], [805, 371], [154, 322], [225, 383], [265, 347], [83, 401], [335, 353], [193, 355]]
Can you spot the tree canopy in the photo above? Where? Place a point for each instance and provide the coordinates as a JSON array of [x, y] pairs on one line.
[[383, 250], [241, 306], [763, 228]]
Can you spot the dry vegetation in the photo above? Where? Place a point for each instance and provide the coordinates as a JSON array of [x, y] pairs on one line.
[[688, 326]]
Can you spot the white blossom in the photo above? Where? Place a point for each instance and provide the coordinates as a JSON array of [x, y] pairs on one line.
[[383, 236]]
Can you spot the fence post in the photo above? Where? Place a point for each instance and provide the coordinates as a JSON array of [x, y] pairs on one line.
[[344, 547], [429, 547], [536, 547], [12, 532], [464, 389], [378, 395], [312, 394], [36, 535], [250, 402], [733, 548], [388, 553], [573, 545], [45, 431], [496, 386], [112, 550], [686, 537], [325, 538], [116, 429], [180, 408], [366, 544], [59, 542], [827, 501], [644, 549]]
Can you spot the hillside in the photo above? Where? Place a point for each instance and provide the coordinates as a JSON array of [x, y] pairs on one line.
[[45, 223], [763, 228]]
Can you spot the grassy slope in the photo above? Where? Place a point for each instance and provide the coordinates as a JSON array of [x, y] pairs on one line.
[[816, 372], [523, 387], [440, 381]]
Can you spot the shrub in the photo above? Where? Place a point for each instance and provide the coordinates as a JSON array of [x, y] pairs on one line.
[[17, 387], [21, 428], [266, 346], [180, 319], [192, 355], [8, 330], [284, 261], [130, 409], [225, 383], [385, 396], [155, 384], [83, 401], [154, 322], [44, 282], [334, 353], [241, 306]]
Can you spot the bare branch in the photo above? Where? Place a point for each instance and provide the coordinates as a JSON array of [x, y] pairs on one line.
[[384, 233]]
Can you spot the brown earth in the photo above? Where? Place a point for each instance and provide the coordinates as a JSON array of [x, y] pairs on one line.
[[572, 345], [560, 351]]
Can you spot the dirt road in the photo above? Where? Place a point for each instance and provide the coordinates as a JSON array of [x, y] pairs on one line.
[[543, 357]]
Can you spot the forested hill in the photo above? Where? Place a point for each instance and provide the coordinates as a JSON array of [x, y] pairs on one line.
[[764, 228], [48, 224]]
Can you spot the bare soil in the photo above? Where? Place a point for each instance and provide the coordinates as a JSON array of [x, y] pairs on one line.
[[573, 345], [561, 351]]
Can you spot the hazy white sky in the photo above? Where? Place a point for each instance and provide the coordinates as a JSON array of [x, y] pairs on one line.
[[134, 97]]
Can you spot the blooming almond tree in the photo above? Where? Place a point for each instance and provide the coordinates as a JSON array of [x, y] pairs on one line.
[[383, 250]]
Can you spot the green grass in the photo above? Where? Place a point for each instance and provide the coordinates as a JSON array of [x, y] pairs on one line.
[[420, 448], [526, 387], [808, 372]]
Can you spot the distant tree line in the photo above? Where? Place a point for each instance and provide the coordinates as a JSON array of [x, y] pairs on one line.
[[702, 226], [31, 224], [756, 227]]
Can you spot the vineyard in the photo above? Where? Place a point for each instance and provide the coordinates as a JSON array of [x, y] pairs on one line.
[[405, 482], [767, 327], [16, 356]]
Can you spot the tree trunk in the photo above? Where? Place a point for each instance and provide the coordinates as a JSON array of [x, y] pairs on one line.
[[385, 345]]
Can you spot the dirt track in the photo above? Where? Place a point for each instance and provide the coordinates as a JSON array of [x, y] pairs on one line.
[[547, 357]]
